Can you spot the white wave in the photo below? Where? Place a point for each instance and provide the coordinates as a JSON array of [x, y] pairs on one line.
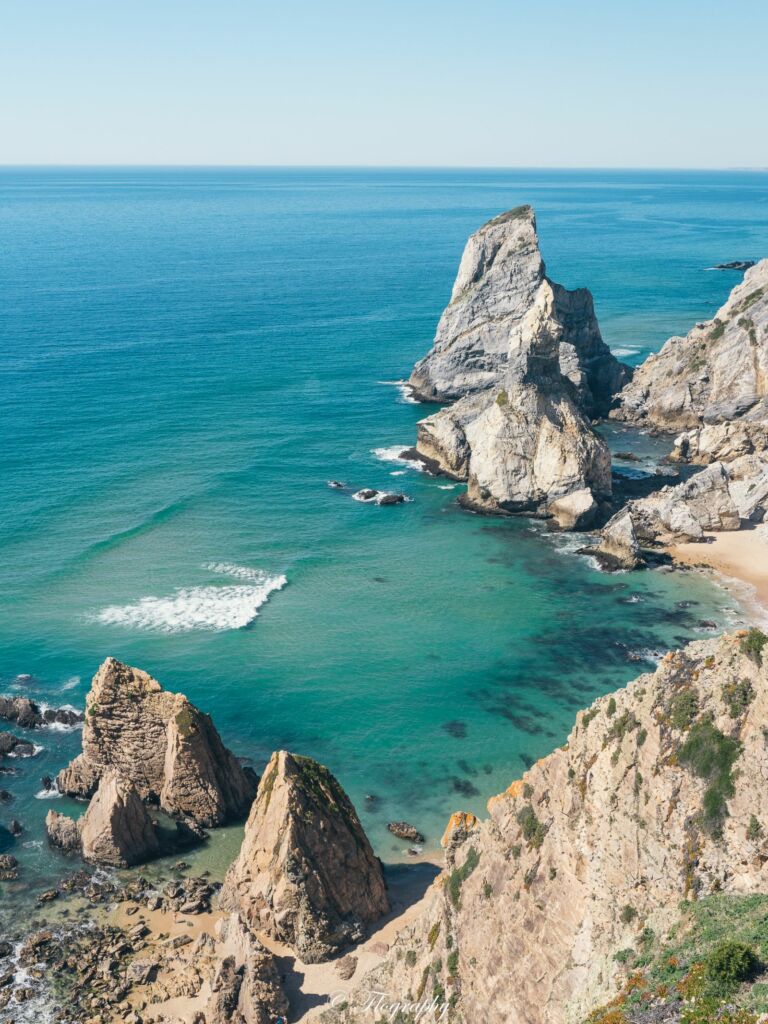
[[398, 472], [376, 498], [394, 453], [405, 389], [447, 487], [70, 684], [634, 599], [36, 749], [48, 794], [623, 352], [208, 608]]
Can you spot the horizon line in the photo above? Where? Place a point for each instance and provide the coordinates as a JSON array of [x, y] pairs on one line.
[[378, 167]]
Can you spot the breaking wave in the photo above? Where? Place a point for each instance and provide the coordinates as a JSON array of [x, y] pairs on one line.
[[213, 607]]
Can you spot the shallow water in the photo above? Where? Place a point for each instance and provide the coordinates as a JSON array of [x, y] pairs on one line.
[[188, 357]]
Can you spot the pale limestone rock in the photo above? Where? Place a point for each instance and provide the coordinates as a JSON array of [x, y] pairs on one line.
[[717, 374], [499, 279], [524, 923], [163, 744], [524, 446], [619, 547], [245, 988], [690, 508], [576, 511], [116, 829], [306, 874]]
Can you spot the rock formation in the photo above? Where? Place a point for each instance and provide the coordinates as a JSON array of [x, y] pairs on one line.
[[656, 797], [30, 715], [306, 874], [524, 361], [116, 830], [161, 743], [501, 277], [246, 986], [716, 375]]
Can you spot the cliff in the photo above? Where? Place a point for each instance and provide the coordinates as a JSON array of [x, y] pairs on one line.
[[715, 376], [651, 801]]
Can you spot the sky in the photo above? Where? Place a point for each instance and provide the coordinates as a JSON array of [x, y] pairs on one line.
[[585, 83]]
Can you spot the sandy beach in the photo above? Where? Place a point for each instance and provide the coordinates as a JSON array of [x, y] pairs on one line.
[[740, 555]]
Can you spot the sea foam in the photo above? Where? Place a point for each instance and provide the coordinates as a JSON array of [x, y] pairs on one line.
[[213, 607], [394, 453], [406, 392]]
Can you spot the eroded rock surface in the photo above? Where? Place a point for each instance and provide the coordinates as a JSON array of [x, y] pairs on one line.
[[653, 800], [715, 375], [116, 829], [306, 874], [499, 280], [160, 742]]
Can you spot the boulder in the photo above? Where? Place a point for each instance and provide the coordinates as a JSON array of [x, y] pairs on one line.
[[575, 511], [404, 830], [160, 742], [619, 547], [116, 829], [63, 832], [306, 874]]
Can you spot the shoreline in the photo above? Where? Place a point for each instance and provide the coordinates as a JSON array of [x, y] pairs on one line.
[[738, 556]]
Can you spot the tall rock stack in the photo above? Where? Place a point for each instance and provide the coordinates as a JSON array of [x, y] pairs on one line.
[[523, 361], [306, 874], [161, 743]]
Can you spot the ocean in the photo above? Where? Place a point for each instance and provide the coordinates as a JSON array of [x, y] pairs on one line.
[[189, 355]]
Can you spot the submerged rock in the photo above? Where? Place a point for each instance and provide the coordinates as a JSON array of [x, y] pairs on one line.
[[369, 494], [161, 743], [404, 830], [306, 874]]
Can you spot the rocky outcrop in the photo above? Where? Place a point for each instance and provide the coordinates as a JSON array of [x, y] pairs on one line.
[[30, 715], [246, 986], [63, 832], [652, 800], [500, 278], [306, 874], [116, 829], [715, 375], [576, 511], [164, 745], [619, 547]]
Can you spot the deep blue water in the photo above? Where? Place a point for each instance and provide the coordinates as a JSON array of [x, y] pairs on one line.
[[188, 355]]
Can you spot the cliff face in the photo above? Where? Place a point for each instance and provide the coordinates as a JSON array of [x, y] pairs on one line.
[[500, 277], [167, 748], [306, 874], [656, 797], [716, 374]]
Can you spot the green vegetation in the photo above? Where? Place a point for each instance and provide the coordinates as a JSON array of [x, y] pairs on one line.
[[628, 914], [625, 723], [754, 830], [410, 958], [433, 933], [683, 708], [487, 890], [707, 971], [738, 697], [515, 214], [502, 399], [527, 791], [711, 755], [611, 709], [587, 717], [717, 331], [753, 643], [459, 876], [533, 830], [452, 962], [642, 736]]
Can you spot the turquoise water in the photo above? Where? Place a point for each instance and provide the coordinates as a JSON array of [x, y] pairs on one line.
[[189, 355]]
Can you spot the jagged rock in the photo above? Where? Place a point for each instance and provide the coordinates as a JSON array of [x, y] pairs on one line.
[[735, 265], [575, 511], [9, 867], [500, 278], [246, 986], [12, 745], [689, 509], [116, 829], [63, 832], [459, 827], [718, 373], [160, 742], [404, 830], [29, 715], [306, 874], [525, 362], [346, 967], [597, 843], [619, 547], [369, 495]]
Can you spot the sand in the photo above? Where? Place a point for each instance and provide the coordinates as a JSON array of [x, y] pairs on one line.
[[741, 555]]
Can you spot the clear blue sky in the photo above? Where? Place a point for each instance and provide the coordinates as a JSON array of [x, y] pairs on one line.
[[429, 82]]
